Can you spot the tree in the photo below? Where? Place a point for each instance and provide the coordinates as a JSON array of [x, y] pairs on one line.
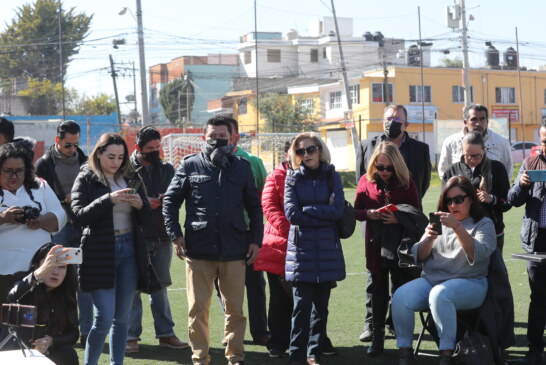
[[453, 63], [100, 104], [283, 114], [33, 37], [44, 97], [177, 98]]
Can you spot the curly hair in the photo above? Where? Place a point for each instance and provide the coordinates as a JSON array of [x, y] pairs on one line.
[[14, 150]]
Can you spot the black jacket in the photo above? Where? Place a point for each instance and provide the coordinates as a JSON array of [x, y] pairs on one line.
[[415, 153], [45, 168], [93, 210], [500, 187], [215, 227], [156, 180]]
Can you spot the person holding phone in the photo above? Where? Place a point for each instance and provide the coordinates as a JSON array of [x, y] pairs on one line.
[[387, 181], [115, 256], [455, 266], [50, 286], [217, 188]]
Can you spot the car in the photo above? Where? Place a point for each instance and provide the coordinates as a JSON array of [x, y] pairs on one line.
[[519, 147]]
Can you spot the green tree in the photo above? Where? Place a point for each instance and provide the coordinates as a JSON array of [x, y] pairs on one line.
[[100, 104], [452, 62], [33, 38], [282, 114], [44, 97], [176, 97]]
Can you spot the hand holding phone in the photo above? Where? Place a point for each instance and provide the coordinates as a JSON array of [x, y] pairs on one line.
[[435, 222], [386, 208], [134, 185], [75, 254]]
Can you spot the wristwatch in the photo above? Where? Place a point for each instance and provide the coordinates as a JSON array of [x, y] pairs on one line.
[[36, 279]]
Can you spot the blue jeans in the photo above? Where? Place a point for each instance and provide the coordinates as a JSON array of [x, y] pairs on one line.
[[160, 254], [70, 236], [443, 300], [309, 318], [113, 306]]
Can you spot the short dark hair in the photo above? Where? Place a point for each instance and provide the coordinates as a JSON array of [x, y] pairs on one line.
[[476, 210], [221, 119], [475, 107], [7, 129], [145, 135], [68, 126]]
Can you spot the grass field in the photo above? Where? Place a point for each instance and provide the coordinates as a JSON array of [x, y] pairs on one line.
[[346, 310]]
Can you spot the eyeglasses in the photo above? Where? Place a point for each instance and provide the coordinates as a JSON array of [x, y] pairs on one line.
[[70, 145], [459, 199], [394, 119], [477, 156], [309, 150], [11, 173], [382, 168]]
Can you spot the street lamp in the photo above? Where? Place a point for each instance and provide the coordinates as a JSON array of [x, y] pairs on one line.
[[142, 61]]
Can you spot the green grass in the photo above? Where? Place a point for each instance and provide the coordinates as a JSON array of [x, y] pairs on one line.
[[346, 310]]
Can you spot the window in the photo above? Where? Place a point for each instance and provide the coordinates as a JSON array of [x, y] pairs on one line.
[[273, 55], [241, 106], [314, 55], [378, 94], [248, 57], [354, 92], [505, 95], [416, 94], [457, 94], [324, 53], [335, 100], [307, 104]]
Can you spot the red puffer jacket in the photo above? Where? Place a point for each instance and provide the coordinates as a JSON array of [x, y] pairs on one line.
[[272, 254]]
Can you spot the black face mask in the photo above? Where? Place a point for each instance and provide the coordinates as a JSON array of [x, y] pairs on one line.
[[151, 157], [217, 143], [393, 129]]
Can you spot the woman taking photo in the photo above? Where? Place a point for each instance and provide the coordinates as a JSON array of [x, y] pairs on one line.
[[114, 253], [455, 266], [29, 213], [50, 286], [387, 181], [488, 177], [313, 202]]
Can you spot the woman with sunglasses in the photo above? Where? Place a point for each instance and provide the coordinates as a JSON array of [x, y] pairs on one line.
[[387, 181], [313, 202], [455, 265], [488, 177], [115, 256], [29, 213]]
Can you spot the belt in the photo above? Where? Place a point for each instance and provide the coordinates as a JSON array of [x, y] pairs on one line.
[[119, 232]]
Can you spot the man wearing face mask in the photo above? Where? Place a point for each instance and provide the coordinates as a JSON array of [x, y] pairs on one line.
[[156, 176], [417, 157], [218, 188]]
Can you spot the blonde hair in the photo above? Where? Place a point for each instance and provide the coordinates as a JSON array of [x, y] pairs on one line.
[[324, 156], [108, 139], [401, 171]]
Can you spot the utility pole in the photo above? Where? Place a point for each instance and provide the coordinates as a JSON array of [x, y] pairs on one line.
[[114, 75], [348, 115], [386, 95], [134, 93], [61, 65], [466, 66], [142, 65], [520, 97], [422, 77], [256, 65]]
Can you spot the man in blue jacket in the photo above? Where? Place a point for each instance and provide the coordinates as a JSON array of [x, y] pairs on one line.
[[533, 236], [217, 188]]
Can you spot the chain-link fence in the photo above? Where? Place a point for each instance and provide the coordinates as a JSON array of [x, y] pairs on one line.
[[268, 146]]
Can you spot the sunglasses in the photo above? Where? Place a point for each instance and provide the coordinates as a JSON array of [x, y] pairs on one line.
[[70, 145], [309, 150], [459, 199], [394, 119], [382, 168], [477, 156]]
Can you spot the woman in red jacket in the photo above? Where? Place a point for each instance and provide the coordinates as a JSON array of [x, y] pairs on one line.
[[387, 181]]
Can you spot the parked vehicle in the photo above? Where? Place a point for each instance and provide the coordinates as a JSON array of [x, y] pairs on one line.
[[517, 150]]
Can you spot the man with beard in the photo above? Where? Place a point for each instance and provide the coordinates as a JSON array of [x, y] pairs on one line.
[[417, 157], [218, 188], [496, 146], [156, 176]]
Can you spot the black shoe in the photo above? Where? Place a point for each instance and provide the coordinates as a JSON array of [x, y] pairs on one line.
[[262, 339], [447, 359], [405, 356], [377, 345], [275, 353], [327, 348], [366, 336], [532, 358]]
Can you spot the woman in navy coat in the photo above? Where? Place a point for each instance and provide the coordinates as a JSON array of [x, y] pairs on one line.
[[313, 202]]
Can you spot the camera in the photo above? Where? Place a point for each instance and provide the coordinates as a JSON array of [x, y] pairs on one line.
[[29, 212]]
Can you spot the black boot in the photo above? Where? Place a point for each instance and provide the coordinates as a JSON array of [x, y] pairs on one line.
[[379, 312], [378, 341], [405, 356], [446, 358]]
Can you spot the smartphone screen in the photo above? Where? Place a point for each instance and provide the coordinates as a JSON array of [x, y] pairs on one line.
[[435, 221]]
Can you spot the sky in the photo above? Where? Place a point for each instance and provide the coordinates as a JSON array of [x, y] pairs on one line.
[[174, 28]]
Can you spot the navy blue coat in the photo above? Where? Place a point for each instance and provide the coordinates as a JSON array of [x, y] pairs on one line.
[[314, 251]]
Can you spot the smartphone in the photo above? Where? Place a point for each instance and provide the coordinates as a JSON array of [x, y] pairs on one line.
[[435, 221], [19, 315], [75, 254], [390, 207], [134, 185], [537, 175]]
